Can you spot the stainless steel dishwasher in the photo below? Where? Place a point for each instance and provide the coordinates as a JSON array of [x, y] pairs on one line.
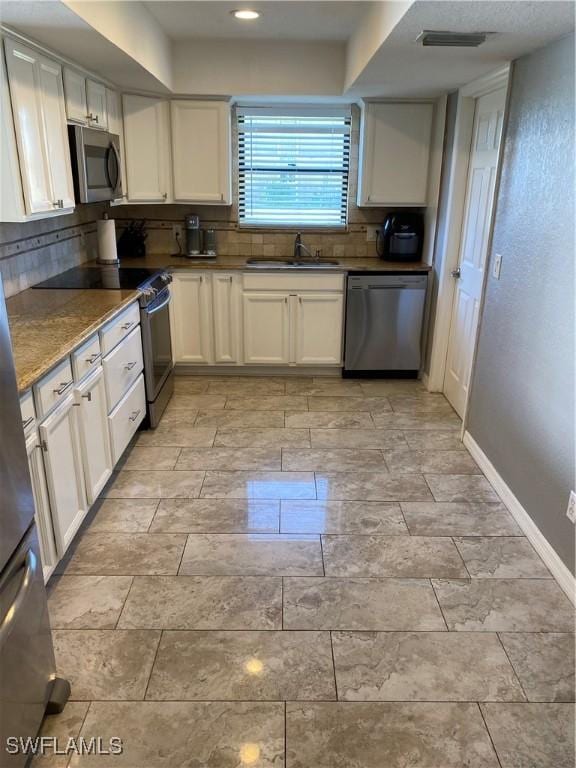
[[384, 324]]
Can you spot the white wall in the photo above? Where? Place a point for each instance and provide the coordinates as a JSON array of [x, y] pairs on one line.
[[133, 29], [257, 67]]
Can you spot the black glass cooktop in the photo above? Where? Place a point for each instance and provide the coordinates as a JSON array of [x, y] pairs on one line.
[[103, 276]]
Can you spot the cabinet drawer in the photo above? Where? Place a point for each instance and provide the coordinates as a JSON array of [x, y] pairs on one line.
[[113, 333], [28, 412], [86, 358], [122, 367], [293, 282], [126, 417], [55, 385]]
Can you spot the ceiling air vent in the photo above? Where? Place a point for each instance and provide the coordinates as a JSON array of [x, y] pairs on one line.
[[431, 37]]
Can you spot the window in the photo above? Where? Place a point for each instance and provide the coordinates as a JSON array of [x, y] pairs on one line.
[[293, 166]]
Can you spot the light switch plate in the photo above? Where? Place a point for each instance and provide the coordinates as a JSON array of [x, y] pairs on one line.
[[571, 511], [497, 266]]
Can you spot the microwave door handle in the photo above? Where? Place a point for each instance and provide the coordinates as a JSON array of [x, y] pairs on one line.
[[114, 183]]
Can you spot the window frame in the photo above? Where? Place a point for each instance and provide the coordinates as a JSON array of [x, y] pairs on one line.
[[324, 111]]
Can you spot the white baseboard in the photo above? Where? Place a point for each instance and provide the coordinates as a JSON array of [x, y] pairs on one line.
[[557, 568]]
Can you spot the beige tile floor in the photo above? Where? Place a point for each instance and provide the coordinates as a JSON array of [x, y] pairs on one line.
[[310, 573]]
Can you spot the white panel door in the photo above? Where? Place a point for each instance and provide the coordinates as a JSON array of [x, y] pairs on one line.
[[191, 314], [90, 396], [266, 319], [395, 152], [64, 472], [75, 92], [147, 140], [487, 133], [25, 91], [201, 150], [41, 505], [96, 100], [54, 111], [318, 328], [226, 303]]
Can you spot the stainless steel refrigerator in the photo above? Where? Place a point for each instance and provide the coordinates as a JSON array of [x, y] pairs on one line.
[[28, 683]]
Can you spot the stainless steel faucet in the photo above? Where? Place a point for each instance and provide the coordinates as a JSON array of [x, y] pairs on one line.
[[300, 248]]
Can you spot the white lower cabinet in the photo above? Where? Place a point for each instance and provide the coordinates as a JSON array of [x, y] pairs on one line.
[[41, 505], [191, 318], [126, 417], [90, 398], [318, 328], [227, 313], [64, 472], [266, 328]]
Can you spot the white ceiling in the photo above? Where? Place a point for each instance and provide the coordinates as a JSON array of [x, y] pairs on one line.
[[280, 20], [403, 67]]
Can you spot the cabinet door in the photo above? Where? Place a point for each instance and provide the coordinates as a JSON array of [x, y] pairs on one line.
[[90, 396], [75, 92], [266, 328], [64, 473], [54, 112], [318, 328], [227, 317], [395, 147], [191, 318], [116, 126], [96, 100], [41, 505], [201, 151], [147, 136], [25, 91]]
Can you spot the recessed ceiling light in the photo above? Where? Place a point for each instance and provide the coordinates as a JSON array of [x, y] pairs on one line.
[[246, 15]]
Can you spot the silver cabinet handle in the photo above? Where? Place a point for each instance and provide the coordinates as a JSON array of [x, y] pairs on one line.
[[92, 359], [456, 273], [96, 119], [126, 326], [165, 196], [87, 396], [64, 385], [26, 424], [129, 366], [135, 415], [90, 116]]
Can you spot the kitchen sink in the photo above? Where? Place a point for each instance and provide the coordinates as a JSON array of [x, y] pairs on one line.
[[291, 263]]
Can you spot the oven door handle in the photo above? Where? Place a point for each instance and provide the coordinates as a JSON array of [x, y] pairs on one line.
[[152, 310]]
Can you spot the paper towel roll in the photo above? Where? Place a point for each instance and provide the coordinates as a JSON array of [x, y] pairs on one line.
[[107, 242]]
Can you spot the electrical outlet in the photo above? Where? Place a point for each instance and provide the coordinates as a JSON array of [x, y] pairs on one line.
[[177, 232], [371, 232], [497, 266], [571, 511]]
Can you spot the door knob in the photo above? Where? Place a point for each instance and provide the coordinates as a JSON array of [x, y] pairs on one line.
[[456, 273]]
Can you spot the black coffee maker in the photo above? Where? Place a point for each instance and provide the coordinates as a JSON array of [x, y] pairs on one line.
[[400, 236]]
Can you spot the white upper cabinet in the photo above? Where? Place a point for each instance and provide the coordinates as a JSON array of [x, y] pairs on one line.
[[394, 153], [75, 91], [96, 101], [201, 150], [39, 115], [147, 138], [85, 100], [56, 133]]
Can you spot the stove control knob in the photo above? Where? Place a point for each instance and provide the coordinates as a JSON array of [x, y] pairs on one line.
[[148, 293], [166, 277]]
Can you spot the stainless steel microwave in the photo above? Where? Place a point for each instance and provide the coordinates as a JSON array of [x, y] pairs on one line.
[[96, 164]]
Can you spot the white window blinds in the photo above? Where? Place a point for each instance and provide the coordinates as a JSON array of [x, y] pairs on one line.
[[293, 166]]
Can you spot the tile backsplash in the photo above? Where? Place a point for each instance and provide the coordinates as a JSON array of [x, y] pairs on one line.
[[34, 251]]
